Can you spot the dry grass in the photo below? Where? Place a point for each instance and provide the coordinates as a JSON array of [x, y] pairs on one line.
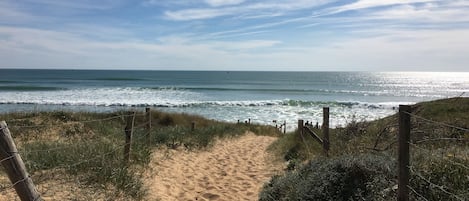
[[439, 152], [71, 150]]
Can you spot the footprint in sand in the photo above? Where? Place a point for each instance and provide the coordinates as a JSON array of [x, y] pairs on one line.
[[210, 196]]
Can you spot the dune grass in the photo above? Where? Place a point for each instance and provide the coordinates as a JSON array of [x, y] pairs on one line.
[[439, 154], [92, 151]]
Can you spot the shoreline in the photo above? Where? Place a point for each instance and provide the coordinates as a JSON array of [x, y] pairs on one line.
[[341, 113]]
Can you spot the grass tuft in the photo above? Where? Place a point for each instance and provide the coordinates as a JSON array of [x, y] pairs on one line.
[[91, 151], [442, 162]]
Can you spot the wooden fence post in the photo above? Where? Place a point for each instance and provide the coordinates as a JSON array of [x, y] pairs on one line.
[[325, 130], [300, 127], [193, 126], [15, 168], [403, 157], [148, 126], [129, 127]]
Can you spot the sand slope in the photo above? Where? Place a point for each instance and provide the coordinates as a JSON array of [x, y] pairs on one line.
[[234, 169]]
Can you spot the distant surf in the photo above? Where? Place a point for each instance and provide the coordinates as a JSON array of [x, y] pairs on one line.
[[228, 96]]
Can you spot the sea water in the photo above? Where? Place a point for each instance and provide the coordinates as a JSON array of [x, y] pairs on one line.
[[229, 95]]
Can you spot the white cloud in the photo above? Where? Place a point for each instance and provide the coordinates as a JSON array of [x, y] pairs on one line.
[[44, 48], [278, 7], [388, 50], [216, 3], [394, 50], [81, 4], [425, 13], [412, 15], [364, 4], [259, 27], [197, 14], [9, 13]]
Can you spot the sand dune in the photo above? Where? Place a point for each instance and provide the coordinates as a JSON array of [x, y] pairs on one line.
[[234, 169]]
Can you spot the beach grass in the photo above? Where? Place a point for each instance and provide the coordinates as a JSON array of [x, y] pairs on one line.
[[439, 157], [89, 146]]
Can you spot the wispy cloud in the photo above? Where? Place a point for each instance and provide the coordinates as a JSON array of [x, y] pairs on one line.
[[259, 28], [197, 14], [217, 3], [236, 34], [413, 15], [10, 13], [82, 4], [248, 9], [366, 4], [48, 46], [423, 13], [429, 50]]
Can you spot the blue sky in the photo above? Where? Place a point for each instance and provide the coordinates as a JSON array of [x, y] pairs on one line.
[[307, 35]]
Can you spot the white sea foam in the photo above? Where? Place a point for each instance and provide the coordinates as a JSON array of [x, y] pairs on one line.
[[177, 100], [103, 97], [261, 97]]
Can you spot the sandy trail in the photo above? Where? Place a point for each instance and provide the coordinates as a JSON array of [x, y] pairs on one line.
[[234, 169]]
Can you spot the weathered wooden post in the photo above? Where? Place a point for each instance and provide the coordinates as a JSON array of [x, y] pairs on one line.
[[148, 126], [300, 127], [403, 151], [325, 130], [15, 168], [129, 127], [193, 126]]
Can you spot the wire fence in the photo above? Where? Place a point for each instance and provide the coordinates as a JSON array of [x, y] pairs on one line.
[[16, 126], [440, 165], [62, 180]]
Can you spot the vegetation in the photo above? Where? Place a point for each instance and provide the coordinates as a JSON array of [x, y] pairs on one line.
[[361, 164], [366, 151], [89, 146], [348, 177]]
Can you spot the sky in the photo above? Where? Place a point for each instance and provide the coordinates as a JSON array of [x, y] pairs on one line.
[[271, 35]]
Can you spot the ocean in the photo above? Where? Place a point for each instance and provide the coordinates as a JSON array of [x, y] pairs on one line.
[[229, 95]]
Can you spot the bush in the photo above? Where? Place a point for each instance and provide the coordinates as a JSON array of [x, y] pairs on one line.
[[364, 177]]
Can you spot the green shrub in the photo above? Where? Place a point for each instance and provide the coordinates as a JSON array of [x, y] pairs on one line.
[[363, 177]]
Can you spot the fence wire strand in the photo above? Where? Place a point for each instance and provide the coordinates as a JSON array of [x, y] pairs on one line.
[[437, 122], [83, 121], [429, 151], [431, 184], [418, 175], [7, 158], [69, 166], [416, 193]]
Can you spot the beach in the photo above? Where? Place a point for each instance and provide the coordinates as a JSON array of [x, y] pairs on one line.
[[77, 117], [78, 156], [233, 169]]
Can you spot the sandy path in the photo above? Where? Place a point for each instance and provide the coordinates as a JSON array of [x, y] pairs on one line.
[[234, 169]]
